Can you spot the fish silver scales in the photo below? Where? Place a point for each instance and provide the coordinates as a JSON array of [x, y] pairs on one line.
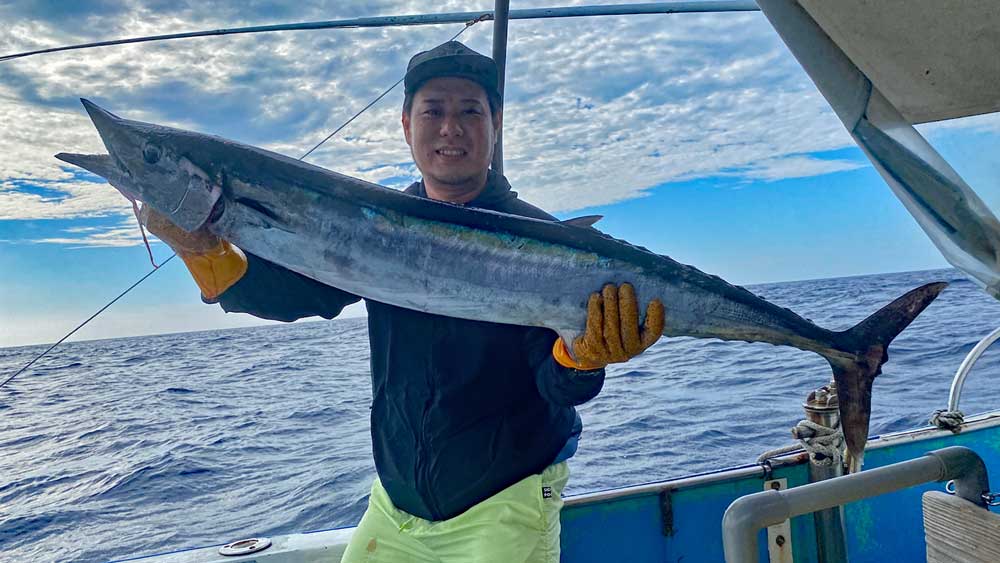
[[450, 260]]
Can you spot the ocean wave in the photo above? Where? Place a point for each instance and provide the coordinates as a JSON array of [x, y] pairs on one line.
[[193, 438]]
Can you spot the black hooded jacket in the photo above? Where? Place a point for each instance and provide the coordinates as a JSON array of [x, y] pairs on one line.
[[461, 409]]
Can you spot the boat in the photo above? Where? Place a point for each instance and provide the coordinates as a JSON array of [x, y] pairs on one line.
[[873, 63], [681, 519]]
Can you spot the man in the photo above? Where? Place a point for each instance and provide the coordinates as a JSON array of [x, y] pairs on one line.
[[472, 422]]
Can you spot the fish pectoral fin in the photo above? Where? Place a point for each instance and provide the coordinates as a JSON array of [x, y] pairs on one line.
[[585, 221]]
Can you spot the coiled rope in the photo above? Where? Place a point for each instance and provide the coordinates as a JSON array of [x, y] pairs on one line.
[[948, 420], [825, 445]]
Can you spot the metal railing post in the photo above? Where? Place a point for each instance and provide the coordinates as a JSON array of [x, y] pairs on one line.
[[822, 407]]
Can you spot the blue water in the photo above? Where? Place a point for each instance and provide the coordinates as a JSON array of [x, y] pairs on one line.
[[141, 445]]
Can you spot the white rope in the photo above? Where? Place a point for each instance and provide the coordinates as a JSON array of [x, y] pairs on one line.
[[948, 420], [824, 445], [770, 454]]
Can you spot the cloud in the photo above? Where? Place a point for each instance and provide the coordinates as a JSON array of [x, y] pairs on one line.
[[796, 167], [64, 199], [112, 237], [122, 234], [599, 110]]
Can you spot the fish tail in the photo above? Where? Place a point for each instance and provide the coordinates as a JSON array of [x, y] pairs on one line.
[[857, 361]]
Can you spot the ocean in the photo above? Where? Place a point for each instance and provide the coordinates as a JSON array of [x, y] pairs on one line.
[[135, 446]]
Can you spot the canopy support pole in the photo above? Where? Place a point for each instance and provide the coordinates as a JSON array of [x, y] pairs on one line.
[[501, 13]]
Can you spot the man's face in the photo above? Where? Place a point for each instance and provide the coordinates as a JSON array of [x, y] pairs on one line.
[[451, 131]]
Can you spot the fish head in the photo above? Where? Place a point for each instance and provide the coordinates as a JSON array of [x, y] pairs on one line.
[[153, 167]]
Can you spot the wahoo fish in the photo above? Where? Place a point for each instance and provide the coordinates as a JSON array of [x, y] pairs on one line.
[[447, 259]]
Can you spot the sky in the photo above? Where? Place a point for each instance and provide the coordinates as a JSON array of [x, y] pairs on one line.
[[695, 135]]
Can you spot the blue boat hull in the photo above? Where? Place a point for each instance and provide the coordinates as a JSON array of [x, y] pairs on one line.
[[617, 526]]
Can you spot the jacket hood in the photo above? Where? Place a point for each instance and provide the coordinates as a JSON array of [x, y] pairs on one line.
[[497, 190]]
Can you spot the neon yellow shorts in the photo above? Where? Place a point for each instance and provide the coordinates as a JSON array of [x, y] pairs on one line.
[[520, 524]]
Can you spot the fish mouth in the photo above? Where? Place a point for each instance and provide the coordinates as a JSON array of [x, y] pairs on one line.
[[102, 165], [99, 164], [111, 167], [105, 122], [137, 167]]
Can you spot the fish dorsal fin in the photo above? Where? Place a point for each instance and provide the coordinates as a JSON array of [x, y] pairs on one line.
[[584, 221]]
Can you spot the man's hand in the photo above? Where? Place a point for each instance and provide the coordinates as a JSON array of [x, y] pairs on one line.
[[613, 334], [200, 241], [214, 264]]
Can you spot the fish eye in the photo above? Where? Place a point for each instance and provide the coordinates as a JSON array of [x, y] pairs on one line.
[[151, 154]]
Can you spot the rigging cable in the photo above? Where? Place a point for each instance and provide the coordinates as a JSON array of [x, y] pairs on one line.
[[155, 267], [101, 310], [648, 8], [390, 89]]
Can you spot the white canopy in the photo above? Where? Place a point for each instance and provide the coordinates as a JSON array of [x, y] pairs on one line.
[[884, 65], [932, 59]]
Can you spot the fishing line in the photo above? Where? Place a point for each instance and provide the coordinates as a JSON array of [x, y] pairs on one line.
[[346, 123], [81, 325], [383, 94], [142, 230], [155, 267]]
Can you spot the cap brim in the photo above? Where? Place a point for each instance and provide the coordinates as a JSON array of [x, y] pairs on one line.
[[476, 68]]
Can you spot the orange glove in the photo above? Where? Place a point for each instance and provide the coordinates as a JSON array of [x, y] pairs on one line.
[[214, 264], [612, 334]]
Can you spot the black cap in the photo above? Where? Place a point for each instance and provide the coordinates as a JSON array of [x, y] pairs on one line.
[[452, 59]]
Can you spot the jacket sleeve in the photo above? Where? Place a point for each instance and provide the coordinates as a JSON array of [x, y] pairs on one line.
[[272, 292], [557, 384]]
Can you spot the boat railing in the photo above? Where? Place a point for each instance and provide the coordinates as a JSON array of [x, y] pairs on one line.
[[747, 515], [963, 370], [952, 418]]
